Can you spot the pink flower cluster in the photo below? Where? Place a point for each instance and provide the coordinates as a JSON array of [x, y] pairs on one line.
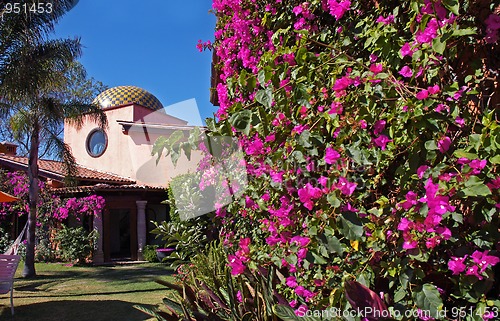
[[380, 140], [430, 229], [203, 45], [475, 264], [308, 194], [492, 27], [301, 291], [304, 16], [475, 165], [337, 8], [89, 205], [238, 260], [282, 215]]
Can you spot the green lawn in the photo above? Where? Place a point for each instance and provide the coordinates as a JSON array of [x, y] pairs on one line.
[[63, 293]]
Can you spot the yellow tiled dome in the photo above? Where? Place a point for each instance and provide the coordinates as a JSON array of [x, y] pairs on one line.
[[125, 95]]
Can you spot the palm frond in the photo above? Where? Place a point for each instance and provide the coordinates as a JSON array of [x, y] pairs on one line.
[[63, 153], [77, 114], [35, 70]]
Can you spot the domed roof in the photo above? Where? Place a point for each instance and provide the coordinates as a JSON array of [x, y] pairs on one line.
[[125, 95]]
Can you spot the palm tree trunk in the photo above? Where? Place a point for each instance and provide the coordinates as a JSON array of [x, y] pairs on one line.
[[34, 189]]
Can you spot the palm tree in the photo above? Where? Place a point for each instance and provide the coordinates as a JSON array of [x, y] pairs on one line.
[[33, 90]]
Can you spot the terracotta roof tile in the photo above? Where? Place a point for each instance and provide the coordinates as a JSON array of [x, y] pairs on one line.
[[108, 187], [57, 168]]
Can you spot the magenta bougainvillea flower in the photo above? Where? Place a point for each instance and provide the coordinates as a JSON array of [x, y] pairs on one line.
[[331, 155], [406, 50], [346, 187], [379, 126], [423, 94], [483, 260], [421, 171], [456, 264], [338, 8], [309, 193], [444, 144], [300, 240], [433, 89], [291, 281], [356, 111], [473, 270], [236, 265], [406, 72], [376, 68], [386, 21], [492, 27], [381, 141]]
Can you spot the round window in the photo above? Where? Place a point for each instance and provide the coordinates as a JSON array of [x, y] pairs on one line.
[[96, 143]]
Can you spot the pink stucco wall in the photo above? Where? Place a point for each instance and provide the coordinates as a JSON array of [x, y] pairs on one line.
[[129, 155]]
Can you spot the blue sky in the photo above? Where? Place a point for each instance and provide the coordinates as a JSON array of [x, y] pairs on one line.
[[150, 44]]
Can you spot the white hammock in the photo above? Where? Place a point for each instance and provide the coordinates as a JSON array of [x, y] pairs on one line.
[[12, 250]]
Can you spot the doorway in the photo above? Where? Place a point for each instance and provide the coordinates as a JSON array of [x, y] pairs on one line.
[[119, 233]]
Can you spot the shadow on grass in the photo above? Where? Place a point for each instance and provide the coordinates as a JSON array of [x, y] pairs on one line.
[[44, 282], [88, 294], [75, 310]]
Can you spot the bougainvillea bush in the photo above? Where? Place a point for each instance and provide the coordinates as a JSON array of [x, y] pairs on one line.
[[53, 211], [372, 147]]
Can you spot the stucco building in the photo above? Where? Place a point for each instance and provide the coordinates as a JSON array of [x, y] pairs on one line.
[[116, 163]]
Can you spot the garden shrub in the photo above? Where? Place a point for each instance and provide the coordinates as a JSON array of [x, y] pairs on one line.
[[53, 211], [188, 238], [75, 243], [372, 138], [5, 240], [178, 183], [149, 253], [44, 251], [206, 291]]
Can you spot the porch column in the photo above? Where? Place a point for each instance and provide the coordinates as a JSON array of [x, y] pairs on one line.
[[141, 228], [98, 252]]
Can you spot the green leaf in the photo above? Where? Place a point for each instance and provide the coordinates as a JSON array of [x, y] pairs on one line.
[[334, 245], [429, 299], [473, 181], [264, 76], [298, 156], [430, 145], [265, 97], [241, 121], [452, 5], [286, 313], [464, 32], [439, 45], [358, 155], [186, 147], [460, 153], [150, 312], [301, 55], [457, 217], [175, 137], [304, 139], [399, 295], [352, 228], [318, 259], [333, 200], [495, 159], [477, 190]]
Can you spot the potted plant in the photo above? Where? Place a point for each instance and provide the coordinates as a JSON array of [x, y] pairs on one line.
[[162, 253]]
